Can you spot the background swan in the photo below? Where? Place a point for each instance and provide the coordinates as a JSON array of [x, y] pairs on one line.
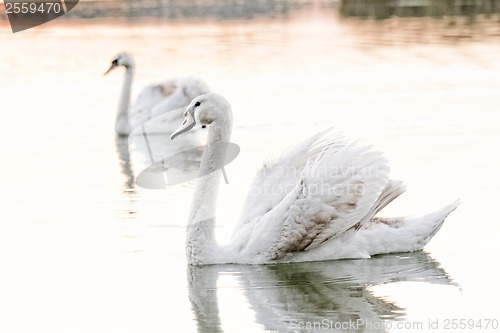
[[163, 99], [330, 192]]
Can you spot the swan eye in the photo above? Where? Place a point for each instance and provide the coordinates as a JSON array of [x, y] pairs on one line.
[[115, 62], [197, 104]]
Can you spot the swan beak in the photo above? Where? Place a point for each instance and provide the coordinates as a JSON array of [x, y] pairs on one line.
[[187, 124], [113, 65]]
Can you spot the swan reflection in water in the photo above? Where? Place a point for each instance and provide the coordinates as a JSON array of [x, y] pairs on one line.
[[123, 150], [151, 160], [284, 295]]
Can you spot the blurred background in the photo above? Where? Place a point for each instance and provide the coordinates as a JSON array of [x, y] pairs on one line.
[[249, 9], [82, 247]]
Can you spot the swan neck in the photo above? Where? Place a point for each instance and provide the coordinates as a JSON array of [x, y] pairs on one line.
[[202, 247], [122, 120]]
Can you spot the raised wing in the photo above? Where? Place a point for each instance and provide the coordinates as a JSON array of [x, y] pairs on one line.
[[279, 176], [166, 97], [329, 187], [152, 95]]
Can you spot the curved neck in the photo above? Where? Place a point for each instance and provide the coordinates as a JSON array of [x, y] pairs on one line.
[[201, 247], [122, 124]]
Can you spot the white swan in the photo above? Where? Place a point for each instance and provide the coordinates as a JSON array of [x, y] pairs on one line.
[[317, 201], [160, 99]]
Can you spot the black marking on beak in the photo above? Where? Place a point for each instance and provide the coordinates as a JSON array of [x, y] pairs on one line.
[[114, 64]]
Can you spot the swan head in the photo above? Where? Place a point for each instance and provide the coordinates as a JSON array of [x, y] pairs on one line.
[[122, 59], [204, 110]]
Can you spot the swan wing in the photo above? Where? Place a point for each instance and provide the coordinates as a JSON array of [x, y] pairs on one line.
[[152, 95], [335, 186], [279, 175], [166, 97]]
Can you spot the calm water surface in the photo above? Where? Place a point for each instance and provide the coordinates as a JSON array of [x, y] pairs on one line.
[[84, 249]]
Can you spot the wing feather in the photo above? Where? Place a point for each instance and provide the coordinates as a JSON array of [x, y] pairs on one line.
[[163, 102], [279, 176], [332, 186]]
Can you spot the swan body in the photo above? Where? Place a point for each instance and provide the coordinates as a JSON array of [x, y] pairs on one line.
[[164, 99], [317, 201]]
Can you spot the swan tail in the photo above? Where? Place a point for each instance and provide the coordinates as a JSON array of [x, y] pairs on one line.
[[404, 234], [429, 224]]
